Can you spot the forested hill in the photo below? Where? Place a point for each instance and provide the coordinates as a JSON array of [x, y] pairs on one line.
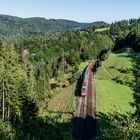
[[15, 26], [10, 25], [100, 24], [35, 68]]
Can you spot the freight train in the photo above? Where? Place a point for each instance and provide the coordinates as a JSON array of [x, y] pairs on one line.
[[85, 78]]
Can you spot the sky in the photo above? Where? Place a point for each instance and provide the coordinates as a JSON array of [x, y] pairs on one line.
[[77, 10]]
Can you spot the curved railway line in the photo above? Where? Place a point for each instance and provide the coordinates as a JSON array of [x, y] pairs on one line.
[[84, 122]]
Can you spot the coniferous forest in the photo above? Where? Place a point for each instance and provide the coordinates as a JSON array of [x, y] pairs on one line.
[[29, 60]]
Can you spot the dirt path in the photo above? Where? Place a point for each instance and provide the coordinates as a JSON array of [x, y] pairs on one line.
[[84, 122], [110, 75]]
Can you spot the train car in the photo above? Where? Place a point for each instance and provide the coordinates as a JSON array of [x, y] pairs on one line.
[[84, 85], [85, 79]]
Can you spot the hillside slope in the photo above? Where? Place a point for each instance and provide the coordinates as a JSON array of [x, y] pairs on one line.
[[16, 26], [10, 25], [113, 91]]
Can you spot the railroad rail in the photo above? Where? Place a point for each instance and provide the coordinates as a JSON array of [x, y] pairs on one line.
[[84, 123]]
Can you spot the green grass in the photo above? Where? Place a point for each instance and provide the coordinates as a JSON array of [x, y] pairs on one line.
[[62, 104], [102, 29], [110, 67], [111, 95], [82, 66]]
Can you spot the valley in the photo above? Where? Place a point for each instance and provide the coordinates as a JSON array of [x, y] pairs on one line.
[[42, 87]]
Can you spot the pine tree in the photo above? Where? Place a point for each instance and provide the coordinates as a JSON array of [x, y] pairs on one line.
[[136, 85], [11, 74]]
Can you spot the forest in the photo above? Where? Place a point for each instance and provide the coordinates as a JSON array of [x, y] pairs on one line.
[[30, 61]]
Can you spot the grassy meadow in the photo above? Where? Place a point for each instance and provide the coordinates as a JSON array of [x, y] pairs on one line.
[[102, 29], [112, 95], [63, 103]]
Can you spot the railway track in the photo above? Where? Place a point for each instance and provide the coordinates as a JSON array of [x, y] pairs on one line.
[[84, 122]]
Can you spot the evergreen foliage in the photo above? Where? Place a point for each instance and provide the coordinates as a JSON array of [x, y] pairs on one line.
[[31, 61]]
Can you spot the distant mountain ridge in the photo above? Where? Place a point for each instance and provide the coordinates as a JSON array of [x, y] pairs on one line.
[[14, 26]]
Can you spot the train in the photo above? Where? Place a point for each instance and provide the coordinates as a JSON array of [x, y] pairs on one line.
[[85, 78]]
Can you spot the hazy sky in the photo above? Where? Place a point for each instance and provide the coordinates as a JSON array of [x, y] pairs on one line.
[[78, 10]]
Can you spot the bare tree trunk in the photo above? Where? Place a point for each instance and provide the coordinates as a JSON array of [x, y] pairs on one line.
[[3, 103], [8, 111]]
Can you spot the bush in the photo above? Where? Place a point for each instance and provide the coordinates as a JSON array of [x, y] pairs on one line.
[[6, 131], [124, 127]]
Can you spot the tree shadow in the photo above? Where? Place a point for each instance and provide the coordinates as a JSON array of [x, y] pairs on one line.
[[90, 128], [84, 128], [103, 122], [30, 126], [78, 86]]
